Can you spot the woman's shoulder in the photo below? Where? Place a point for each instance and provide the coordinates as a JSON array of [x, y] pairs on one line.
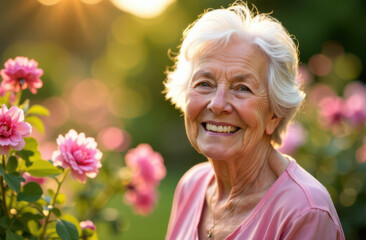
[[302, 194], [316, 195], [196, 175], [197, 172]]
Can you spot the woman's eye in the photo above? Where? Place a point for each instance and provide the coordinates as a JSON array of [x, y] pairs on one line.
[[244, 89], [203, 84]]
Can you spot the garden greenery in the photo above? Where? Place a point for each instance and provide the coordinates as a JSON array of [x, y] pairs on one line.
[[28, 209]]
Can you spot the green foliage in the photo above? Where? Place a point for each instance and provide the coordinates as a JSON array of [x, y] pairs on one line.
[[38, 110], [12, 179], [23, 207], [35, 122], [12, 236], [30, 151], [66, 230], [32, 191], [42, 168], [12, 164]]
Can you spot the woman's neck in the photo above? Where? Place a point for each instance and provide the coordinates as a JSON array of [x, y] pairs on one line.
[[246, 174]]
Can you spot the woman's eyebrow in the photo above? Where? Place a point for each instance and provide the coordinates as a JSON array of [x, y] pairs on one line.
[[202, 73], [246, 78]]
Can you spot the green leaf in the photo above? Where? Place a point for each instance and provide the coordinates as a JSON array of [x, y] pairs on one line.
[[13, 179], [12, 236], [66, 230], [31, 192], [25, 105], [43, 168], [28, 210], [12, 164], [31, 144], [30, 151], [56, 211], [35, 122], [73, 220], [2, 171], [38, 110], [5, 222], [50, 192], [26, 155], [34, 227]]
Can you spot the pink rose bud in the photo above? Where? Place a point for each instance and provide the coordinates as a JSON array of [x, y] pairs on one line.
[[87, 225]]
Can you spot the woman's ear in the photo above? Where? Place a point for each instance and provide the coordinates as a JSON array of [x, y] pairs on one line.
[[272, 124]]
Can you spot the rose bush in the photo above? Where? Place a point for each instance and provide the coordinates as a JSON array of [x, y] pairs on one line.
[[332, 142], [31, 211]]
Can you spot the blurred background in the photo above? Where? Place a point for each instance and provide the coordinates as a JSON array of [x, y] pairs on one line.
[[104, 63]]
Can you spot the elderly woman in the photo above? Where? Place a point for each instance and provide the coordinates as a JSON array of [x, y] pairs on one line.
[[234, 80]]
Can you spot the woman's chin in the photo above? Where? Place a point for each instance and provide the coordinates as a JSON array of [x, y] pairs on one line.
[[216, 153]]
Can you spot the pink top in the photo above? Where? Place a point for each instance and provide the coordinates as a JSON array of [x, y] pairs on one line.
[[296, 206]]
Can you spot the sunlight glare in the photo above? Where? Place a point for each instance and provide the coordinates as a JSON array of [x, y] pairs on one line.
[[49, 2], [91, 1], [143, 8]]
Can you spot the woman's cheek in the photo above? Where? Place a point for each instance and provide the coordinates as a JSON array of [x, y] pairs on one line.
[[191, 131], [193, 109]]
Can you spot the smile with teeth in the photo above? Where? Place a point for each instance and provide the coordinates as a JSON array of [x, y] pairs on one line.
[[220, 128]]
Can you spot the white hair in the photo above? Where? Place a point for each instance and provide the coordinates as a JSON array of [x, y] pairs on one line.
[[214, 29]]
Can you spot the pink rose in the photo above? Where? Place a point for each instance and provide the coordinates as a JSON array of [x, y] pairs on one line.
[[332, 110], [146, 165], [142, 199], [355, 94], [13, 129], [79, 153], [21, 73], [87, 225], [147, 170]]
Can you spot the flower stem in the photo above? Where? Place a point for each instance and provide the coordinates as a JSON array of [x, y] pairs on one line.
[[53, 202], [3, 189], [18, 97], [103, 198]]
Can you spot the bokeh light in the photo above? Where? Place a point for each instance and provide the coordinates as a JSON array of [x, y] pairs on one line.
[[348, 66], [332, 49], [319, 92], [49, 2], [320, 65], [113, 138], [124, 30], [126, 56], [348, 197], [128, 103], [47, 149], [89, 94], [59, 111], [91, 1], [143, 8]]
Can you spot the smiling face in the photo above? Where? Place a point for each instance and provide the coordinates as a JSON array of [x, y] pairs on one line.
[[228, 113]]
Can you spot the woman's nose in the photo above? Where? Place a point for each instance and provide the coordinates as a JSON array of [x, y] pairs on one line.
[[219, 102]]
